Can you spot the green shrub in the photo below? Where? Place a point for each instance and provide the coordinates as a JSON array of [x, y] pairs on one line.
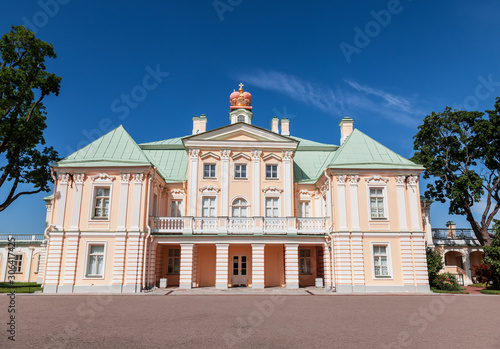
[[434, 264], [492, 256], [446, 282]]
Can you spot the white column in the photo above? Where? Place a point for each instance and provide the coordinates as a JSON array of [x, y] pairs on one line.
[[136, 206], [288, 190], [61, 202], [70, 263], [326, 266], [353, 181], [225, 181], [186, 268], [407, 259], [400, 185], [119, 261], [258, 266], [133, 263], [341, 204], [75, 217], [193, 180], [122, 215], [292, 265], [222, 266], [467, 267], [358, 264], [28, 265], [256, 197], [414, 200], [53, 264]]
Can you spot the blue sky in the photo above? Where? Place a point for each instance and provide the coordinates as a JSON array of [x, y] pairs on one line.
[[386, 64]]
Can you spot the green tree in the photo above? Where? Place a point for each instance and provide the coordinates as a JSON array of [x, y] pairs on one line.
[[461, 150], [24, 83], [492, 256], [434, 264]]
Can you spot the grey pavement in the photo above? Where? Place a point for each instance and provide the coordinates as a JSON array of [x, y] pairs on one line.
[[264, 320]]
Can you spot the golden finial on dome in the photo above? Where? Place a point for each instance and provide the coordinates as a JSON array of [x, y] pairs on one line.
[[241, 87]]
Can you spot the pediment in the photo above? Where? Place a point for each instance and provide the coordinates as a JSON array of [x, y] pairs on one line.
[[239, 134]]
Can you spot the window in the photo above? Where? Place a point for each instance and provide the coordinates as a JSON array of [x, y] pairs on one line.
[[271, 171], [208, 207], [209, 171], [241, 118], [380, 261], [95, 261], [175, 208], [18, 263], [304, 209], [240, 208], [377, 203], [272, 207], [240, 171], [305, 266], [101, 203], [174, 261]]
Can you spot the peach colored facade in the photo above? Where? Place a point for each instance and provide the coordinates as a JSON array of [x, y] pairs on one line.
[[236, 206], [22, 258]]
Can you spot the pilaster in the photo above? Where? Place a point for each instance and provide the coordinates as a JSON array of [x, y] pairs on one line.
[[61, 200], [258, 265], [341, 206], [136, 206], [122, 215], [186, 267], [225, 181], [222, 266], [256, 199], [414, 201], [292, 265], [75, 217], [400, 185], [353, 181], [287, 165], [193, 180]]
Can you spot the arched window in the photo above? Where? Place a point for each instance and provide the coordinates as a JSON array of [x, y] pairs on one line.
[[241, 118], [240, 208]]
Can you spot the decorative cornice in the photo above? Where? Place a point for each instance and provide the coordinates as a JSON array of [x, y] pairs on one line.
[[305, 192], [225, 153], [138, 177], [79, 177], [64, 177], [376, 178], [209, 189], [272, 155], [272, 189], [210, 154], [287, 155], [177, 192], [354, 179], [102, 177], [256, 154], [412, 180], [241, 155], [400, 179], [193, 153], [125, 177], [341, 178]]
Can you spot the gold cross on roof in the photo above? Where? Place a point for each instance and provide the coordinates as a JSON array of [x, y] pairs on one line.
[[241, 86]]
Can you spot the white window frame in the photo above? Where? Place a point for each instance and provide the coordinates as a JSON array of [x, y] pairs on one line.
[[389, 260], [378, 185], [215, 170], [280, 209], [179, 207], [86, 276], [277, 172], [235, 171], [247, 207], [203, 197], [308, 212], [18, 263], [95, 186]]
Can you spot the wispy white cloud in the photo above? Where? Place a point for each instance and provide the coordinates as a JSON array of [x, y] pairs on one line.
[[339, 101]]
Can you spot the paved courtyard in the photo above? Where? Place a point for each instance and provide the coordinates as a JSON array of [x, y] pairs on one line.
[[252, 321]]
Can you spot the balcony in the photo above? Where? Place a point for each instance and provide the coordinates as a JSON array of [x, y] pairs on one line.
[[238, 226], [459, 237]]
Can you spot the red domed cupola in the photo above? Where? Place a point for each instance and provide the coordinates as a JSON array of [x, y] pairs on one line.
[[240, 99]]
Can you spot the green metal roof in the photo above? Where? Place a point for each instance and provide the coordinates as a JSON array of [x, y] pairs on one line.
[[362, 152], [172, 143], [308, 166], [311, 145], [115, 148], [172, 164]]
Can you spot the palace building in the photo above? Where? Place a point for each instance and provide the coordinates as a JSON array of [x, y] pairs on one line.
[[239, 205]]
